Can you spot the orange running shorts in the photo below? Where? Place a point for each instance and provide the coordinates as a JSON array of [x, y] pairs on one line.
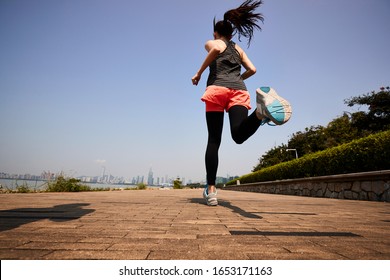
[[219, 98]]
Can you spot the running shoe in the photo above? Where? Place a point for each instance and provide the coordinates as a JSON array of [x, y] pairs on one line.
[[272, 107], [211, 199]]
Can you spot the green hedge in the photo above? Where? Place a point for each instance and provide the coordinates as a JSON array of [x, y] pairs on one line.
[[366, 154]]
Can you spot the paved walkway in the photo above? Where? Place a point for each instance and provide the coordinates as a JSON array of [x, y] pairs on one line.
[[175, 224]]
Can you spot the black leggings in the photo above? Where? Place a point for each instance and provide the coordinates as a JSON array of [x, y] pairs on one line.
[[242, 127]]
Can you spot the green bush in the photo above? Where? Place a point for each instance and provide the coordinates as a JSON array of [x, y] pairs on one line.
[[23, 188], [61, 184], [141, 186], [177, 184], [366, 154]]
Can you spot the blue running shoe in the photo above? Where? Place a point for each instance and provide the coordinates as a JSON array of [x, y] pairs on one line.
[[272, 107]]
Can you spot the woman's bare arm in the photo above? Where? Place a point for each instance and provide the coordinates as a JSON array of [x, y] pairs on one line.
[[213, 49]]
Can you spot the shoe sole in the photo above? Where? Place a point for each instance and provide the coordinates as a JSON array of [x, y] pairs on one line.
[[276, 108], [211, 199]]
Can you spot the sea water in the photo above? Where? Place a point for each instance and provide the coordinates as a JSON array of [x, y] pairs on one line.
[[12, 184]]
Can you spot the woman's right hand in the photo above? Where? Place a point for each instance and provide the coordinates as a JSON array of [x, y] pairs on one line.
[[195, 79]]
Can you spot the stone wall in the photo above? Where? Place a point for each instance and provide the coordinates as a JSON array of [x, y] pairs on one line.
[[373, 186]]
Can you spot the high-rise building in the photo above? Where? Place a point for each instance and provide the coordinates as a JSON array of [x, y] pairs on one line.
[[150, 177]]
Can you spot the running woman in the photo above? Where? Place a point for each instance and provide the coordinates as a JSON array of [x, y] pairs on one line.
[[226, 90]]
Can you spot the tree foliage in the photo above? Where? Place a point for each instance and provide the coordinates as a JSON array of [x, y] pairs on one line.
[[378, 116], [344, 129]]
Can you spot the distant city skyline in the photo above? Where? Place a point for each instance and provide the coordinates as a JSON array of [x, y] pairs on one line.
[[105, 178], [150, 180]]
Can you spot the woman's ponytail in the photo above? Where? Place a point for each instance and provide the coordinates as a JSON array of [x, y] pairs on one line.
[[242, 20]]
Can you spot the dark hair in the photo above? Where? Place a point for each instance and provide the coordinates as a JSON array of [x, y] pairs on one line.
[[241, 20]]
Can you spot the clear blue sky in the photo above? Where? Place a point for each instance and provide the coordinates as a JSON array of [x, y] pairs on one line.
[[92, 83]]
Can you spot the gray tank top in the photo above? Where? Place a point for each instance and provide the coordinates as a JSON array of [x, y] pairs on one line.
[[225, 70]]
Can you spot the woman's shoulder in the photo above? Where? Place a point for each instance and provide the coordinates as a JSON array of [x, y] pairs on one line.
[[219, 44]]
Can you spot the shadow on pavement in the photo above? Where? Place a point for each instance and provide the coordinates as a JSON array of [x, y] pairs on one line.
[[252, 215], [296, 233], [227, 204], [238, 210], [287, 213], [14, 218]]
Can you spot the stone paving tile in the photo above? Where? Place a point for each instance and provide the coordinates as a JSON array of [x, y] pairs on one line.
[[17, 254], [196, 255], [28, 237], [133, 247], [176, 224], [296, 256], [9, 244], [63, 246], [97, 255]]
